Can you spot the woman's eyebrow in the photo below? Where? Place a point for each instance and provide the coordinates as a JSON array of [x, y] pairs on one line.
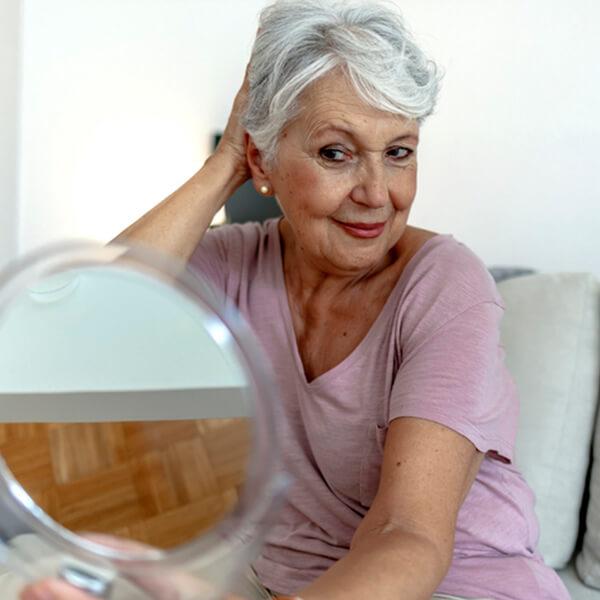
[[408, 136]]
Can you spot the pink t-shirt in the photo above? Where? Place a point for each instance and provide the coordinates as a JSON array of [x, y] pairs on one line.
[[434, 352]]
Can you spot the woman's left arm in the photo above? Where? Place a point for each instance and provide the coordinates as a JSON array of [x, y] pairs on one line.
[[403, 547]]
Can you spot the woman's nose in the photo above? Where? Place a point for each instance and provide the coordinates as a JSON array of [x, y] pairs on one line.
[[371, 188]]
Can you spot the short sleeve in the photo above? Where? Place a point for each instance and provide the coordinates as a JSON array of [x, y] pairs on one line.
[[454, 374], [226, 258], [209, 259]]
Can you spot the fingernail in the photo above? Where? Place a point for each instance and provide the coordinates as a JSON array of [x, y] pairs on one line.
[[37, 593]]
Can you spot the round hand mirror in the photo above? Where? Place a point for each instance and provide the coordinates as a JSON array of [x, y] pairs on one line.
[[136, 426]]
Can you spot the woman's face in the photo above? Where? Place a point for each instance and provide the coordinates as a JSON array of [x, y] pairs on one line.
[[345, 177]]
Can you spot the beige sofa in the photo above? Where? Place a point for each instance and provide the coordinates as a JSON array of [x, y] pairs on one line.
[[551, 334]]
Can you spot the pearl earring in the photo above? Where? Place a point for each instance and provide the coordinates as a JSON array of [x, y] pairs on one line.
[[264, 189]]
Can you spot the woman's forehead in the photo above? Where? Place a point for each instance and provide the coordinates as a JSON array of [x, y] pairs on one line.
[[332, 105]]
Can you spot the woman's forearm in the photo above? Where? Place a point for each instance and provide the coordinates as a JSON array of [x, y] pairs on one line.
[[384, 566], [177, 224]]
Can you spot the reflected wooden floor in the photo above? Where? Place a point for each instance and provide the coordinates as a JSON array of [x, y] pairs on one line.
[[159, 482]]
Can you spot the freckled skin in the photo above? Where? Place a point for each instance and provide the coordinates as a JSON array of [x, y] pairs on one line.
[[341, 160]]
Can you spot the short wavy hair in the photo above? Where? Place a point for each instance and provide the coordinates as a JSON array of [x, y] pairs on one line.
[[300, 41]]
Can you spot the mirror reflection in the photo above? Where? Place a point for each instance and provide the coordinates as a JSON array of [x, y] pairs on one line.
[[125, 408]]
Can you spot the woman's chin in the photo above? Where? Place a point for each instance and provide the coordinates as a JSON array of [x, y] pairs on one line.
[[340, 253], [356, 261], [362, 254]]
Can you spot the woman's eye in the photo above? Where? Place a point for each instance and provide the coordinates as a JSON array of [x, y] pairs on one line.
[[399, 152], [332, 154]]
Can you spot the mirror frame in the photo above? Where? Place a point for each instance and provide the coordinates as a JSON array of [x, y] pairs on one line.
[[266, 481]]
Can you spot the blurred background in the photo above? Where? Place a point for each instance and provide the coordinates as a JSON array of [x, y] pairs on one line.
[[107, 106]]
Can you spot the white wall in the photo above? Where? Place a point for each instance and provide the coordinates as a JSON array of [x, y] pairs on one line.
[[121, 97], [9, 86], [510, 163]]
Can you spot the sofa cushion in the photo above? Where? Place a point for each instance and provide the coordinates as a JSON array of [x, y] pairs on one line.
[[550, 334]]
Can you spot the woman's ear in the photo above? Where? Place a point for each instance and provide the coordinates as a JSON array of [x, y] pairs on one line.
[[258, 168]]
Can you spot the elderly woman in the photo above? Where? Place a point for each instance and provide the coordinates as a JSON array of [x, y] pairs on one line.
[[400, 416]]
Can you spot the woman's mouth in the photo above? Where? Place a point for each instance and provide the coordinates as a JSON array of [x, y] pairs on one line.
[[361, 230]]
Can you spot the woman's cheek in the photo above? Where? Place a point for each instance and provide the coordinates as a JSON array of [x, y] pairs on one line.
[[405, 191], [334, 192], [320, 197]]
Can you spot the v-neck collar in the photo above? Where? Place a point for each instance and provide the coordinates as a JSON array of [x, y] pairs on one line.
[[288, 324]]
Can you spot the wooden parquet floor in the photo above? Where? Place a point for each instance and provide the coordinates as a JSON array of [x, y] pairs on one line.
[[159, 482]]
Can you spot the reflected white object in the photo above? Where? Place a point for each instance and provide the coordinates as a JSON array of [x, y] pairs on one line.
[[135, 321]]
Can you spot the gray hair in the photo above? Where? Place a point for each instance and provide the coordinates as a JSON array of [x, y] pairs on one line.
[[300, 41]]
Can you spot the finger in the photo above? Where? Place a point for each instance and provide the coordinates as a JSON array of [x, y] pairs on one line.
[[117, 543], [55, 589], [163, 584]]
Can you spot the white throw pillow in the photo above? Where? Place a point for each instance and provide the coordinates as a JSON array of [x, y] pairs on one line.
[[551, 335]]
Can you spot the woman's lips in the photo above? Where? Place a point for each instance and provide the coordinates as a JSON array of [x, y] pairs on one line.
[[362, 230]]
